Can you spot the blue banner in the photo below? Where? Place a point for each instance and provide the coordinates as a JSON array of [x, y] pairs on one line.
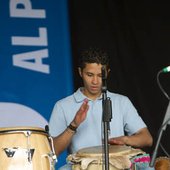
[[35, 65]]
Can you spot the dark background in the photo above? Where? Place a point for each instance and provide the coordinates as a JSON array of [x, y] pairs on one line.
[[136, 36]]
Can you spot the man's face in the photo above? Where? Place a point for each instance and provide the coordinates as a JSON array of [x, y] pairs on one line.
[[92, 79]]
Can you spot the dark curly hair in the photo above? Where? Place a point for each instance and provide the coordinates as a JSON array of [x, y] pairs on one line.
[[93, 55]]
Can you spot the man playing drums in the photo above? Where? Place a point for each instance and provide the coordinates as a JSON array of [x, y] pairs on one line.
[[76, 121]]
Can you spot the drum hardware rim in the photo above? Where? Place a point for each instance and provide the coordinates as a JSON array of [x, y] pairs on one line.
[[24, 130]]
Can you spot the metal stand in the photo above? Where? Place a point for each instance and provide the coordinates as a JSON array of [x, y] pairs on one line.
[[107, 115], [162, 128]]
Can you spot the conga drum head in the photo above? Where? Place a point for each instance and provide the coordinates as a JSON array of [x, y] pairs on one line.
[[91, 158], [25, 148], [162, 163]]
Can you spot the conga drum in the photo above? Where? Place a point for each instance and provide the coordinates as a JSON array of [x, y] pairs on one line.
[[120, 158], [162, 163], [26, 148]]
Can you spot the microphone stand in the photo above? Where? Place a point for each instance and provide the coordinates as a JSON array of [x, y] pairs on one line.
[[107, 115], [162, 128]]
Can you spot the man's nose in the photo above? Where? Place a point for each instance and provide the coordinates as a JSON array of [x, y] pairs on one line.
[[95, 80]]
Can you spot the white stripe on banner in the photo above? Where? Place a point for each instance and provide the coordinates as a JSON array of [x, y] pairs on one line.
[[35, 61]]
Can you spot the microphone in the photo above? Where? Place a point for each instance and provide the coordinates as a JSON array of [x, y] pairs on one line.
[[166, 69]]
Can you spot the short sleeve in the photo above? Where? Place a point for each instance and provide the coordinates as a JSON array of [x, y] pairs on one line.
[[57, 123], [132, 120]]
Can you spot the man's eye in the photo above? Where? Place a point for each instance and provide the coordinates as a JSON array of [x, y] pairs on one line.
[[90, 75]]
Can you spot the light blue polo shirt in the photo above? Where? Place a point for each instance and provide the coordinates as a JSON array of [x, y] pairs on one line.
[[90, 132]]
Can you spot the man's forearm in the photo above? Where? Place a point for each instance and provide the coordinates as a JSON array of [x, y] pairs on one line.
[[62, 141]]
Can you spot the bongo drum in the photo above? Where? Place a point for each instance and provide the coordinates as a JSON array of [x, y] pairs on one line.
[[91, 158], [26, 148], [162, 163]]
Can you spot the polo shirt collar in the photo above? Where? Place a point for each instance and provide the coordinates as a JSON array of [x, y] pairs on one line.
[[79, 96]]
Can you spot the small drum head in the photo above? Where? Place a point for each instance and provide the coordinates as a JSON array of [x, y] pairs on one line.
[[21, 128], [97, 150], [162, 163]]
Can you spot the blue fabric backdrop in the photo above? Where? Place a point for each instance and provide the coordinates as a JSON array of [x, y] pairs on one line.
[[35, 55]]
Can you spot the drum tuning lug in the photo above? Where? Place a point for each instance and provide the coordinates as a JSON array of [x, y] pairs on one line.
[[54, 157]]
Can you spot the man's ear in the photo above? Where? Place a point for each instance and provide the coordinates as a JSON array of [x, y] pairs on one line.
[[80, 72], [108, 71]]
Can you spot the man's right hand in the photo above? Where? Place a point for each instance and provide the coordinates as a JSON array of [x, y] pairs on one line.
[[81, 114]]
